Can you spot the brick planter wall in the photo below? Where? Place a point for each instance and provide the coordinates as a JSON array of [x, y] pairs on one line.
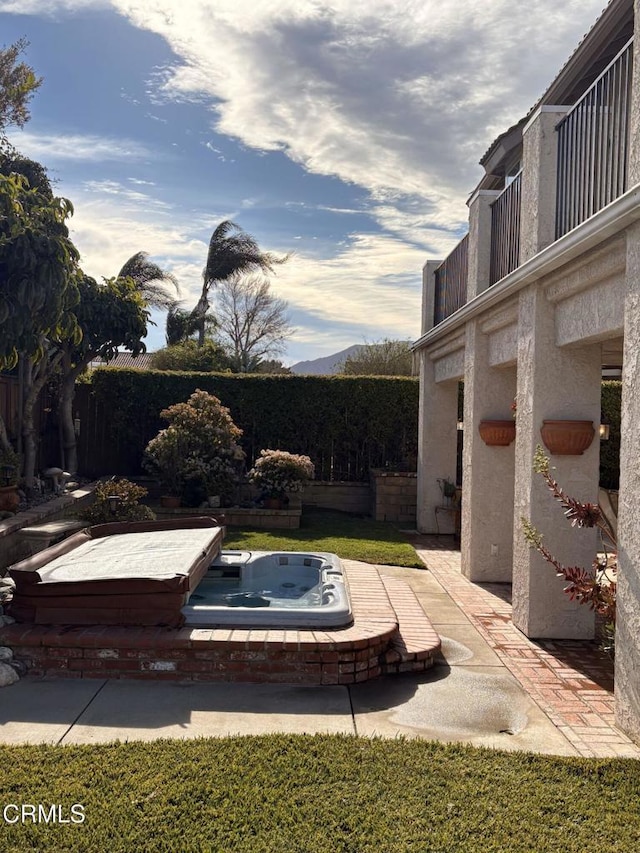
[[394, 496]]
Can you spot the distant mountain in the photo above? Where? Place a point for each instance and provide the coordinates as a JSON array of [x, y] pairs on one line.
[[326, 366]]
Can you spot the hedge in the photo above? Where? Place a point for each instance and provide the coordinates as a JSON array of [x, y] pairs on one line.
[[346, 424], [610, 450]]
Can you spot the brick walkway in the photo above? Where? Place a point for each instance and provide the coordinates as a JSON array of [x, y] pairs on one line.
[[571, 681]]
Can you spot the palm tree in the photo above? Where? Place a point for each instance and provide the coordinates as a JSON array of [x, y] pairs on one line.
[[231, 250], [149, 279], [182, 325]]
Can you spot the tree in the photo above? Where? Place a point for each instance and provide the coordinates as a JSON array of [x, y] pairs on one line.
[[111, 315], [231, 251], [150, 279], [273, 365], [182, 325], [187, 355], [38, 289], [252, 322], [385, 358], [17, 86]]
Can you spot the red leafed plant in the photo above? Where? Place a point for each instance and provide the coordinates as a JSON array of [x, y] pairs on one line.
[[595, 587]]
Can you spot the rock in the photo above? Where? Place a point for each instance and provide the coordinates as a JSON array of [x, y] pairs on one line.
[[6, 654], [6, 620], [8, 675]]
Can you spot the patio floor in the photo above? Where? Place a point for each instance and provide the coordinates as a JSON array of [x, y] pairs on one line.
[[571, 681]]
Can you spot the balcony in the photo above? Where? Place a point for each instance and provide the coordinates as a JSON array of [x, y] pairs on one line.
[[505, 231], [451, 282], [593, 143]]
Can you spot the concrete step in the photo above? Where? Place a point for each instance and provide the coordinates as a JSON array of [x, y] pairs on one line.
[[415, 644]]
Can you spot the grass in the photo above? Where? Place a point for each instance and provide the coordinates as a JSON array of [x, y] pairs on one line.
[[351, 537], [320, 794]]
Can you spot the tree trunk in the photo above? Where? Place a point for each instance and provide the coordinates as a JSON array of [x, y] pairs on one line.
[[5, 444], [65, 414], [35, 379]]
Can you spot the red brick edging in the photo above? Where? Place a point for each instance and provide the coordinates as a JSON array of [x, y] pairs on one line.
[[371, 646]]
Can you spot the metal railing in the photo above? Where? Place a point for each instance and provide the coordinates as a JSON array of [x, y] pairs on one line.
[[505, 231], [593, 142], [451, 282]]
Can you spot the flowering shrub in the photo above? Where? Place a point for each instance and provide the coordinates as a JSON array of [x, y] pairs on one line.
[[276, 472], [596, 587], [127, 509], [198, 453]]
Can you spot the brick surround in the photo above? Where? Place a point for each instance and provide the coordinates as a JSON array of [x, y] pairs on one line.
[[390, 633]]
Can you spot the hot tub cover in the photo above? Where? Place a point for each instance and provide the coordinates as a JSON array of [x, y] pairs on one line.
[[117, 574]]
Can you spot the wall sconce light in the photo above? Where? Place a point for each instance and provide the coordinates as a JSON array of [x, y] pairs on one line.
[[76, 425], [6, 473], [114, 503], [604, 430], [460, 426]]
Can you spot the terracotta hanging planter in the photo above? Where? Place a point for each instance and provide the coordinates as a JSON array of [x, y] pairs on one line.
[[497, 433], [567, 438]]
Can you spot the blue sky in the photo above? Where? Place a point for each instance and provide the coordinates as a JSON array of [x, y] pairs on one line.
[[348, 134]]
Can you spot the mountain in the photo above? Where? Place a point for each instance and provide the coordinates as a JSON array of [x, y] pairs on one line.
[[325, 366]]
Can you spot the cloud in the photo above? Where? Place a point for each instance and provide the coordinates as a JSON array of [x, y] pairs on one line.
[[54, 147], [400, 99]]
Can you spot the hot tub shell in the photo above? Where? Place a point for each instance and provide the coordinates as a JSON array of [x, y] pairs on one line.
[[271, 589]]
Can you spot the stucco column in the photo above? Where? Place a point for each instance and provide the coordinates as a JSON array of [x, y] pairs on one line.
[[479, 241], [539, 181], [428, 294], [633, 166], [488, 472], [627, 682], [437, 442], [559, 384]]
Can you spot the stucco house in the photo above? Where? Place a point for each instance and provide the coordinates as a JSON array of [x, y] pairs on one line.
[[541, 294]]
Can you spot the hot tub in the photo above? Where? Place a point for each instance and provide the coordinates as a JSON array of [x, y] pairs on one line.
[[262, 589]]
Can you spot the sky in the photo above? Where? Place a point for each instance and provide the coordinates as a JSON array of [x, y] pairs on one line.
[[345, 133]]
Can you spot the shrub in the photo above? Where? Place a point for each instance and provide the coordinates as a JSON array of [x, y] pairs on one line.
[[276, 472], [597, 587], [127, 509], [198, 453]]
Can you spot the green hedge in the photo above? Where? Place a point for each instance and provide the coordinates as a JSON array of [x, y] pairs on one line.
[[610, 450], [346, 424]]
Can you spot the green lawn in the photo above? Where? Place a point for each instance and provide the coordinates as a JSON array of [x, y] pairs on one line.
[[322, 794], [348, 536]]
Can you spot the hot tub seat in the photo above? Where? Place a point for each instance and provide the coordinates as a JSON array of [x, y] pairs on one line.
[[124, 573]]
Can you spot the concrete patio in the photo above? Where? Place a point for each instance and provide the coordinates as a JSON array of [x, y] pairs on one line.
[[492, 687]]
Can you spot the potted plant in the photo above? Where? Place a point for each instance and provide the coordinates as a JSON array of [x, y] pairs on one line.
[[118, 500], [164, 457], [277, 472], [198, 454], [9, 474]]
